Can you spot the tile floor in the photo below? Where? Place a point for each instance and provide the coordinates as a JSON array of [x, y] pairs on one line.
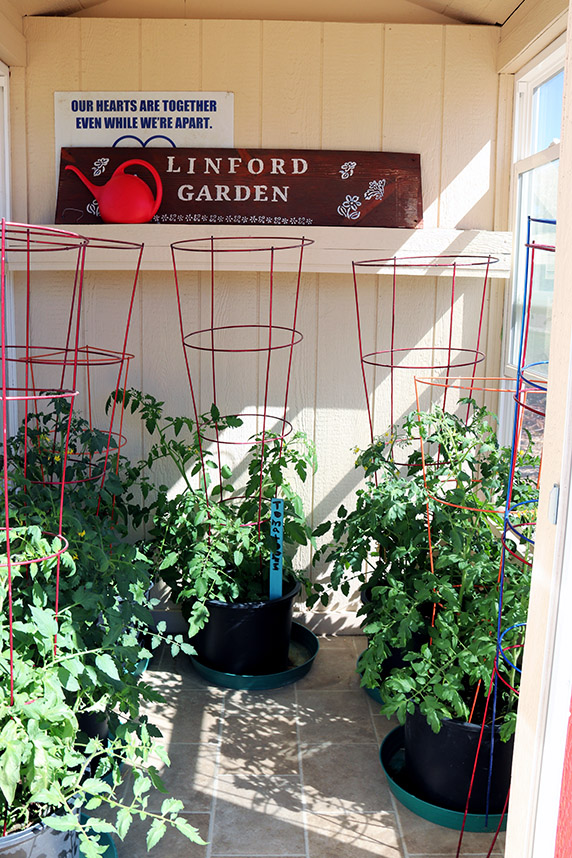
[[289, 773]]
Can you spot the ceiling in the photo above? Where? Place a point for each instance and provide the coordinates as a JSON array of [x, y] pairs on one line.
[[382, 11]]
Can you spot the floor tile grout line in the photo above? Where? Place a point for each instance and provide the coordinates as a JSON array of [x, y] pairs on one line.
[[404, 851], [301, 774], [373, 742], [346, 690], [212, 743], [216, 780], [231, 775], [342, 811], [400, 828]]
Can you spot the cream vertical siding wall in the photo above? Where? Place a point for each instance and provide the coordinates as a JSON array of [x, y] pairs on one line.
[[413, 88]]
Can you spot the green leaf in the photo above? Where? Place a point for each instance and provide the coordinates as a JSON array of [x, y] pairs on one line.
[[47, 796], [10, 761], [185, 828], [302, 470], [68, 681], [321, 529], [123, 821], [433, 720], [96, 786], [98, 824], [295, 532], [45, 622], [141, 784], [62, 823], [107, 665], [171, 805], [200, 517], [169, 560], [90, 848], [155, 833], [156, 779]]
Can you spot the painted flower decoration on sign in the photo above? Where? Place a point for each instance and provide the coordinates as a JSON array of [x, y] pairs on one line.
[[349, 208], [347, 169], [375, 191], [99, 166]]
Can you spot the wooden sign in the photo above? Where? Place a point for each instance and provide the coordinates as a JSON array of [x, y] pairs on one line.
[[243, 186]]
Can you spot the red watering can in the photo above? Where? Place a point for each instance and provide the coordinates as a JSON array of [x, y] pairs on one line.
[[125, 198]]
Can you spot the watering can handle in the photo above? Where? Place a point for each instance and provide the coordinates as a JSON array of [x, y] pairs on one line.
[[154, 173]]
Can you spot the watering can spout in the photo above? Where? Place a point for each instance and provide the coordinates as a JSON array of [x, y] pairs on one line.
[[93, 188]]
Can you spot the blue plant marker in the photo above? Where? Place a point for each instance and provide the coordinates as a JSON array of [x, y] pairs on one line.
[[277, 531]]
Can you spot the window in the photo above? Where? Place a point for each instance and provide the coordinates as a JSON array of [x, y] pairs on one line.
[[538, 117], [536, 152]]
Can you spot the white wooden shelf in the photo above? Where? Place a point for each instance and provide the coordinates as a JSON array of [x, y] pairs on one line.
[[333, 250]]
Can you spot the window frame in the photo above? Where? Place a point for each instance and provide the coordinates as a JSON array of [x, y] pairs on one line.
[[6, 212], [5, 171]]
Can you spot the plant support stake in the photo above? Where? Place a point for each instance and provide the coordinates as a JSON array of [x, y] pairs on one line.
[[277, 531]]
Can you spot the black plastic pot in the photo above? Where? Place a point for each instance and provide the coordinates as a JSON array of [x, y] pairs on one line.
[[94, 724], [250, 638], [440, 765], [40, 840]]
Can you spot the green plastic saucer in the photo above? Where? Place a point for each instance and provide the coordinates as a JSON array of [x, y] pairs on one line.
[[303, 650], [141, 667], [392, 756]]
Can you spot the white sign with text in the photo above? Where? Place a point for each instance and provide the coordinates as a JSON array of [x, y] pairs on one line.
[[177, 119]]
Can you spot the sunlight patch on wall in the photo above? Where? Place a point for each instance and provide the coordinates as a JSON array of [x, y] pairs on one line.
[[467, 201]]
